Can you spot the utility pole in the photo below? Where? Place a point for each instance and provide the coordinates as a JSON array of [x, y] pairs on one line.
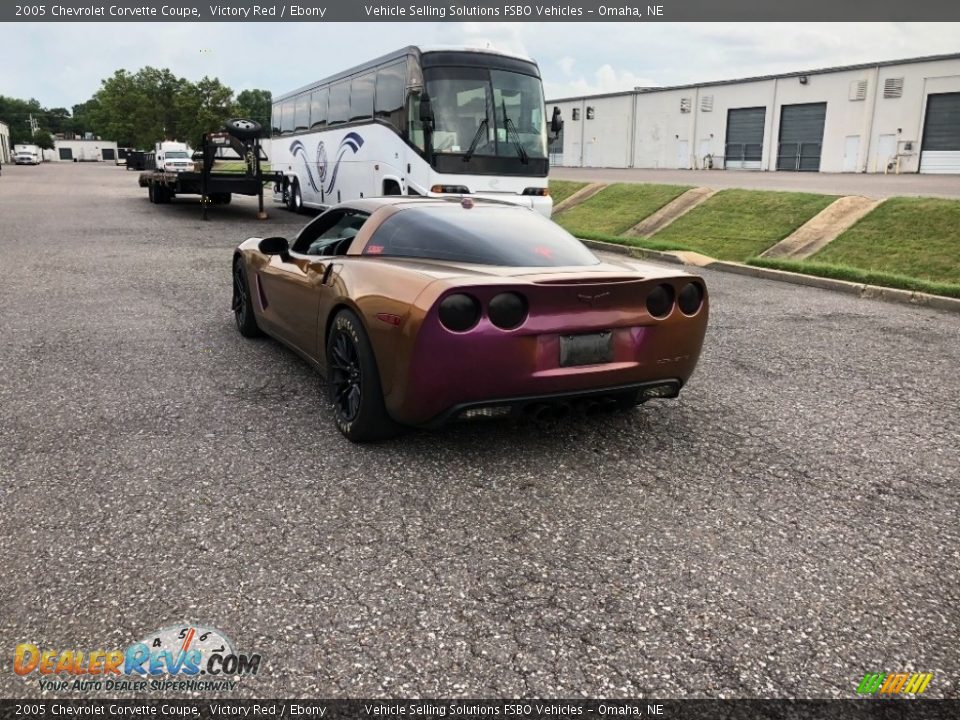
[[34, 125]]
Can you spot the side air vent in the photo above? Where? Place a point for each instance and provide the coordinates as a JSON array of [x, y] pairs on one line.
[[893, 87]]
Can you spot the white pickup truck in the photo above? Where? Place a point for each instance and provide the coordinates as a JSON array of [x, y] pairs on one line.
[[173, 156], [27, 155]]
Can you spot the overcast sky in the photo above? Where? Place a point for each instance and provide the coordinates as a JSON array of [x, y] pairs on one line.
[[61, 64]]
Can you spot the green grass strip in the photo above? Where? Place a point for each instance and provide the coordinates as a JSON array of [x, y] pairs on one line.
[[909, 237], [560, 190], [858, 275], [739, 224], [636, 242], [618, 207]]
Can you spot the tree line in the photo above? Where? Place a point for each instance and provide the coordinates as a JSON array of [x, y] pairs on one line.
[[138, 109]]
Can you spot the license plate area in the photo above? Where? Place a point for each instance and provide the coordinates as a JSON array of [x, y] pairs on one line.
[[589, 349]]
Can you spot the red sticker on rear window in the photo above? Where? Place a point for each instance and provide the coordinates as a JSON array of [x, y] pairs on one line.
[[544, 252], [373, 250]]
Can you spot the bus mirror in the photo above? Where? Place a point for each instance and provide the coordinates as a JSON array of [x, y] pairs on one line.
[[426, 110], [556, 122]]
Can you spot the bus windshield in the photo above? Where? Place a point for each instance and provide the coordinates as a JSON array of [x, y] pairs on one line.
[[486, 112]]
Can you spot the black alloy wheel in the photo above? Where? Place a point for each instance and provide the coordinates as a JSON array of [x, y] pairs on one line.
[[242, 304], [353, 382], [346, 379]]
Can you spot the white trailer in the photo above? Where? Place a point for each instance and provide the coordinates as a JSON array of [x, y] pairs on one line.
[[85, 150]]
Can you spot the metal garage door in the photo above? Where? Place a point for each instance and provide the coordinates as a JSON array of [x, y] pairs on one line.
[[940, 150], [801, 136], [744, 147]]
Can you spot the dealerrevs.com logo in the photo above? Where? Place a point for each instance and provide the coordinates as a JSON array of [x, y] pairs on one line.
[[894, 683], [186, 657]]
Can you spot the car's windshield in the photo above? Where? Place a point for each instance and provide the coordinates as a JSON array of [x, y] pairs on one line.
[[483, 234], [176, 154], [478, 111]]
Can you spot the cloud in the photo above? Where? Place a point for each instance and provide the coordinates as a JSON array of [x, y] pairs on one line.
[[61, 64], [604, 79]]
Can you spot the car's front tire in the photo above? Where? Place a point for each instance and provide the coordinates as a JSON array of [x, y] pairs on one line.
[[353, 382], [243, 304]]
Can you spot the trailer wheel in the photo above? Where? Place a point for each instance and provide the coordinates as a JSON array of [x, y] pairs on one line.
[[242, 128]]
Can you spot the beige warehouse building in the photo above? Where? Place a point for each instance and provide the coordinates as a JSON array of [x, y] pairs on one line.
[[898, 116], [4, 143]]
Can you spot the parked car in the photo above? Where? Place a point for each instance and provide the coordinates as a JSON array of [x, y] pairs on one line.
[[419, 311]]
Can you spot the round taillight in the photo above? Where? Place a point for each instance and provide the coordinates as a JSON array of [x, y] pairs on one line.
[[690, 298], [507, 310], [660, 301], [459, 312]]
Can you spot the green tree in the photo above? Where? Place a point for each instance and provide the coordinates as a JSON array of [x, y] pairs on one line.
[[202, 108], [83, 117], [254, 105]]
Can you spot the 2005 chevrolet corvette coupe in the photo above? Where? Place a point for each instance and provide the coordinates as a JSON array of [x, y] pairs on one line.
[[423, 310]]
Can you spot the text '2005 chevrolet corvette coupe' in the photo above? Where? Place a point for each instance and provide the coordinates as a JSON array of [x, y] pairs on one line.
[[421, 310]]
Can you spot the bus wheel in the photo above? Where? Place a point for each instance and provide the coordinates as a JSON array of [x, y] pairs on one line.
[[391, 188], [294, 198]]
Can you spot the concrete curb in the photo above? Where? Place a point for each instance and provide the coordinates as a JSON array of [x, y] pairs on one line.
[[861, 290]]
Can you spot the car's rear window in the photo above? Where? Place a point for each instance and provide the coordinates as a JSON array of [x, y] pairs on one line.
[[483, 234]]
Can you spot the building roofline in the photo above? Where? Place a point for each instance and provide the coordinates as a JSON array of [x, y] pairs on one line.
[[761, 78]]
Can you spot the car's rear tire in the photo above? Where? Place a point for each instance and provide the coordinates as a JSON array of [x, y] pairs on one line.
[[243, 303], [353, 382]]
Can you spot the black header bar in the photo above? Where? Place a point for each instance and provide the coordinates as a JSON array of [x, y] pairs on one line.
[[305, 709], [617, 11]]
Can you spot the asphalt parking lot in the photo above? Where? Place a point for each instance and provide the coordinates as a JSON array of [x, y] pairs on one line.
[[789, 524]]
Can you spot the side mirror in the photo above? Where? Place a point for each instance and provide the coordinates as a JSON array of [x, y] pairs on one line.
[[274, 246], [556, 122], [426, 110]]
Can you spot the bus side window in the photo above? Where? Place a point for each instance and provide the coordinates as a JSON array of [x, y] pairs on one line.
[[276, 119], [301, 114], [286, 119], [390, 87], [361, 97], [339, 103], [318, 108]]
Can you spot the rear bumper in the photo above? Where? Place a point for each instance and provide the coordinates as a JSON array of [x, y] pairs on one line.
[[448, 373], [558, 403]]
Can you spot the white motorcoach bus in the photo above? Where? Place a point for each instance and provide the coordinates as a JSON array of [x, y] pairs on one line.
[[419, 121]]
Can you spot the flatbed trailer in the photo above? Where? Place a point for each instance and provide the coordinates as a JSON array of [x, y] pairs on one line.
[[216, 188]]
